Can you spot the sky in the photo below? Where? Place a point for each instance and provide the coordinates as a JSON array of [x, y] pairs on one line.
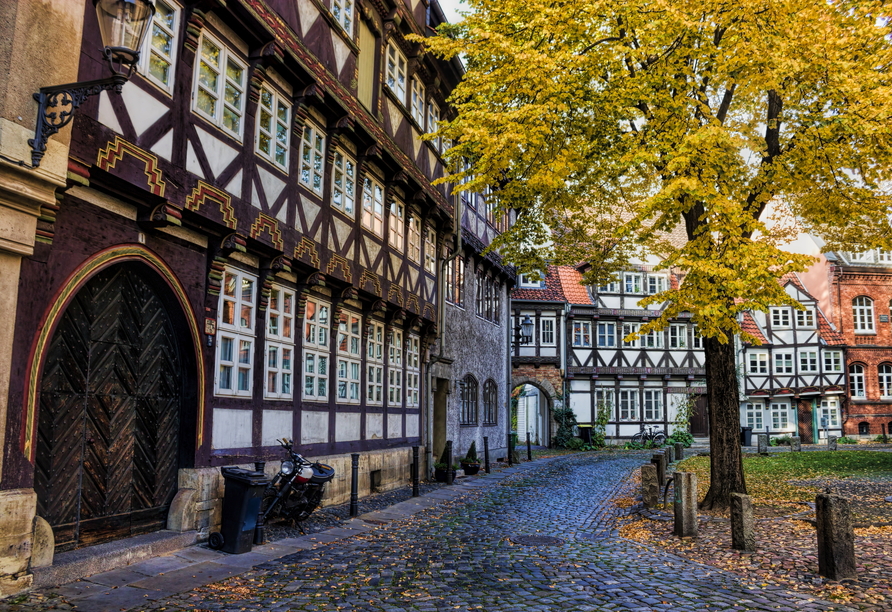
[[451, 8]]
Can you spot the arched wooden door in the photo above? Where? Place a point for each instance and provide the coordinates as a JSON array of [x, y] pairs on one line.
[[110, 405]]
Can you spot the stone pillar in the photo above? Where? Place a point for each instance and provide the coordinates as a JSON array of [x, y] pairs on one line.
[[763, 444], [670, 455], [742, 535], [685, 505], [659, 460], [17, 511], [679, 451], [796, 444], [836, 540], [831, 443], [650, 488]]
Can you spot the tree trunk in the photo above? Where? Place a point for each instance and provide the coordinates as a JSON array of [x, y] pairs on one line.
[[726, 462]]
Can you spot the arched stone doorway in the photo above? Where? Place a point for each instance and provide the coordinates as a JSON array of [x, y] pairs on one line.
[[112, 428], [540, 426]]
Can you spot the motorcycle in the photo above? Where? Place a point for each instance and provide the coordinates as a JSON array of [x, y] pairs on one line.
[[296, 491]]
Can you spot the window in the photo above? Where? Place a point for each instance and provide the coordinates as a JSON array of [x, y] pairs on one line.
[[496, 302], [397, 236], [455, 277], [805, 318], [628, 405], [396, 72], [833, 361], [343, 14], [546, 331], [433, 124], [373, 206], [235, 333], [862, 309], [633, 283], [783, 363], [653, 404], [863, 428], [780, 416], [678, 336], [469, 401], [279, 343], [885, 375], [830, 411], [758, 363], [754, 415], [611, 287], [430, 251], [656, 284], [418, 102], [631, 328], [273, 127], [413, 377], [159, 55], [349, 355], [532, 280], [219, 93], [808, 361], [697, 339], [395, 369], [312, 158], [652, 339], [316, 350], [374, 383], [604, 401], [606, 334], [487, 298], [582, 333], [780, 317], [856, 381], [343, 183], [414, 252], [490, 401]]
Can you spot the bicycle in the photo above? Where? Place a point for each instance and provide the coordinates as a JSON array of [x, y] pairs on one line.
[[650, 434]]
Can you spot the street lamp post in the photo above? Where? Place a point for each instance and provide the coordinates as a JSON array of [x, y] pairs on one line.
[[523, 333], [123, 25]]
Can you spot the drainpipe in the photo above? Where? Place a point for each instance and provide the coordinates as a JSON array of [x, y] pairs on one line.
[[509, 367]]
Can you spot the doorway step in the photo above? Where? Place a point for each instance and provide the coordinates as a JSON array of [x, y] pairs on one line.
[[76, 564]]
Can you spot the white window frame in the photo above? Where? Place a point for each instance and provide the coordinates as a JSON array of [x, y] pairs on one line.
[[413, 239], [833, 362], [430, 251], [652, 339], [605, 396], [349, 356], [374, 382], [607, 332], [780, 416], [397, 225], [218, 117], [632, 283], [316, 361], [278, 125], [280, 351], [526, 281], [780, 318], [418, 102], [373, 206], [236, 330], [757, 363], [610, 287], [395, 369], [582, 334], [856, 381], [884, 376], [311, 172], [413, 371], [805, 318], [433, 124], [631, 328], [678, 336], [653, 404], [656, 283], [862, 313], [754, 413], [547, 335], [343, 11], [395, 72], [830, 410], [783, 363], [808, 361], [169, 31], [628, 405], [696, 337], [343, 183]]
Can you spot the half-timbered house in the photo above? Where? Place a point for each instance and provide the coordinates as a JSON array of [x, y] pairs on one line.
[[793, 380], [248, 247]]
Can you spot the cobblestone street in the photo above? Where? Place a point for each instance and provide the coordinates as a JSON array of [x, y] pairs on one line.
[[461, 555]]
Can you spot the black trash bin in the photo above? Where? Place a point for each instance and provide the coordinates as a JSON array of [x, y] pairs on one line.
[[242, 496], [746, 436]]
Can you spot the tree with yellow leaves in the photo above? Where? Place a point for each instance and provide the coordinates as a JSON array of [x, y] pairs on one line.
[[607, 123]]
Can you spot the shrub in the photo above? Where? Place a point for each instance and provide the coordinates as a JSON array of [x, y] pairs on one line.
[[577, 444], [881, 438], [566, 421], [640, 446], [848, 440], [684, 437], [471, 456]]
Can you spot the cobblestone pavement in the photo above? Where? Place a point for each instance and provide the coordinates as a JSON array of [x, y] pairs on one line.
[[460, 555]]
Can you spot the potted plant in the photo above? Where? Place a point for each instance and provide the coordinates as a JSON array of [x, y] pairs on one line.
[[470, 463], [440, 471]]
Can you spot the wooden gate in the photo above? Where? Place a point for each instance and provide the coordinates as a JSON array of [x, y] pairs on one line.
[[110, 405]]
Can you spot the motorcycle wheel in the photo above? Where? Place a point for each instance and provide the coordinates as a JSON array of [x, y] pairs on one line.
[[215, 540], [311, 502], [269, 496]]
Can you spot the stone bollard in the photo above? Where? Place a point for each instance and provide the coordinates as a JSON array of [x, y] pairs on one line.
[[685, 505], [836, 540], [763, 444], [679, 451], [650, 487], [742, 535], [796, 444], [659, 460], [670, 458], [831, 443]]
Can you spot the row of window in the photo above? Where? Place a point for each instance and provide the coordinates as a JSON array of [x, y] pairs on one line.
[[677, 336], [638, 283], [779, 416], [632, 405], [235, 350], [488, 298], [809, 361], [469, 414], [780, 318], [857, 378]]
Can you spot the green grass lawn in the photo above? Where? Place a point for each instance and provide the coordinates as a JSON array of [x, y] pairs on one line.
[[768, 477]]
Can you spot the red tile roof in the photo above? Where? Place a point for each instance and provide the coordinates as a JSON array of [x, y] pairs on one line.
[[574, 291], [551, 292], [826, 331], [750, 326]]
